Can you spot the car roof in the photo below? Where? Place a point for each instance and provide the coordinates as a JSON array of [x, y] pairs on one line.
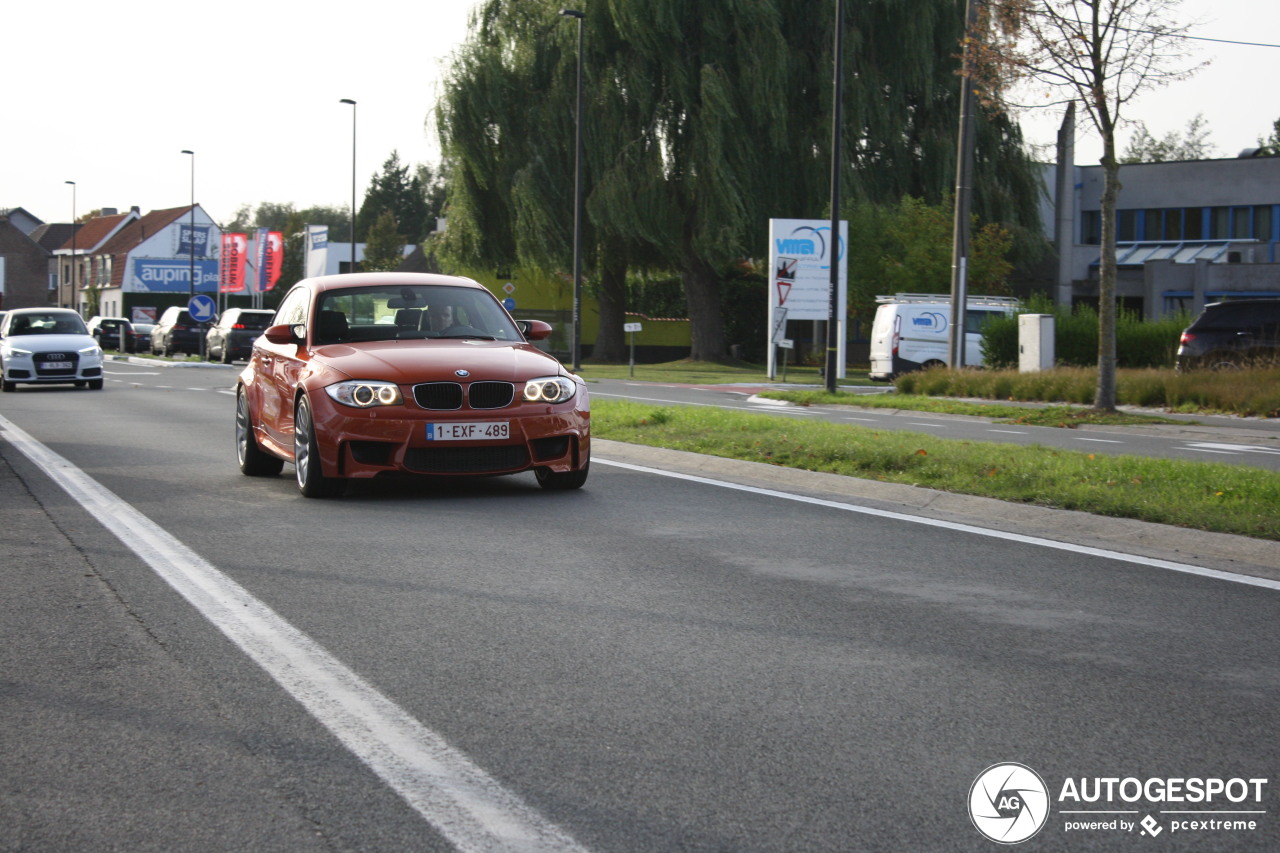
[[16, 311], [382, 279]]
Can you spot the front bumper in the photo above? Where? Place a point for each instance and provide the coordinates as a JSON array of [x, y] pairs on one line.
[[364, 443], [35, 370]]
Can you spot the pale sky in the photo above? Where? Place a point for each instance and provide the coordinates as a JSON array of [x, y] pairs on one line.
[[109, 94]]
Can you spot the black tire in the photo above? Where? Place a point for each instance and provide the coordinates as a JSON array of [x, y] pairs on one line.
[[8, 387], [254, 462], [561, 481], [306, 457], [95, 384]]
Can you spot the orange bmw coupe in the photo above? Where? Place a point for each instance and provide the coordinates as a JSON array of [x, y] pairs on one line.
[[377, 374]]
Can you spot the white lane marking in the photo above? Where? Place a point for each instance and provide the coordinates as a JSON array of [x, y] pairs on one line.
[[1232, 448], [866, 420], [460, 800], [1099, 440], [660, 400], [926, 424], [1009, 431], [951, 525]]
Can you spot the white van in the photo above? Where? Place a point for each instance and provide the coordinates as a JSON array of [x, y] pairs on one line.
[[912, 331]]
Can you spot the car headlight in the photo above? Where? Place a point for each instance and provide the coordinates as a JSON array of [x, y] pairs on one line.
[[365, 393], [549, 389], [94, 350], [15, 352]]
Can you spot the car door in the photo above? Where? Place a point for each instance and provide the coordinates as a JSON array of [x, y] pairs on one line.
[[276, 368]]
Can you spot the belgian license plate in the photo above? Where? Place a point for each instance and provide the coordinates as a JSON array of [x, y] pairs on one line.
[[57, 365], [469, 431]]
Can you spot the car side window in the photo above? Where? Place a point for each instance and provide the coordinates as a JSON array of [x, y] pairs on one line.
[[293, 310]]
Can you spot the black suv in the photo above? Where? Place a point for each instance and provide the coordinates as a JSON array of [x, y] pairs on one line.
[[233, 335], [113, 333], [175, 332], [1240, 333]]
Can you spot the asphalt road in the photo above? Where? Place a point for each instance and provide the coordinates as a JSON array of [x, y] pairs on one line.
[[1240, 441], [680, 656]]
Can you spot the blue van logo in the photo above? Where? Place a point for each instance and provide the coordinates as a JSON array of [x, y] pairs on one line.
[[931, 321]]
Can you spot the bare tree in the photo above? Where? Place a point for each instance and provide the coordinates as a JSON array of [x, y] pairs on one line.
[[1102, 54]]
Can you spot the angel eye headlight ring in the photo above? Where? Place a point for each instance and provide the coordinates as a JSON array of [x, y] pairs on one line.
[[365, 394], [549, 389]]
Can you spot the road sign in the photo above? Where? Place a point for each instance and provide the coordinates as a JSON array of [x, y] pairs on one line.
[[630, 327], [509, 304], [202, 308], [787, 343]]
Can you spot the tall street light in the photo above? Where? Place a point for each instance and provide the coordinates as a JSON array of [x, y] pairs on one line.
[[191, 245], [833, 295], [577, 202], [74, 229], [353, 180]]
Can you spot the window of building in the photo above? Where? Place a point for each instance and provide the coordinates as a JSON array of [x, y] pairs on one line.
[[1193, 223], [1219, 223], [1091, 227], [1263, 216], [1127, 226]]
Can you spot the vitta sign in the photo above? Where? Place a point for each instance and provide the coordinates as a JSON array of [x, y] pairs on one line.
[[801, 252]]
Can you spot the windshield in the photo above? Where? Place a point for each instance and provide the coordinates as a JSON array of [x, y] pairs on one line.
[[47, 323], [400, 312]]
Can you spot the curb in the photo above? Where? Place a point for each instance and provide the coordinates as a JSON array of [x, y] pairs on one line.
[[1240, 554]]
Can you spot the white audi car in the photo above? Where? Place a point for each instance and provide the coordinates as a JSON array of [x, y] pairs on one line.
[[48, 345]]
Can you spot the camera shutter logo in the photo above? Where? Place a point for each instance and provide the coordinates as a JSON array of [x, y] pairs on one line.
[[1008, 803]]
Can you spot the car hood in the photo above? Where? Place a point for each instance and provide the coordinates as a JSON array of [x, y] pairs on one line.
[[50, 343], [413, 361]]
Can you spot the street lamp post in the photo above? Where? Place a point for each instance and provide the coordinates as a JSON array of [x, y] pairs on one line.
[[577, 202], [72, 276], [191, 244], [353, 180], [833, 295]]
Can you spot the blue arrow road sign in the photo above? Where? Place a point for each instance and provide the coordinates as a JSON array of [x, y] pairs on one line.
[[202, 308]]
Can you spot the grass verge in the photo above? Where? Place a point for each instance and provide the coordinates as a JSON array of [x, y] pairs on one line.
[[1053, 416], [1199, 495]]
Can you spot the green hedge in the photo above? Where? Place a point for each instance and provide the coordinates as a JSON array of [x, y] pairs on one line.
[[1139, 343]]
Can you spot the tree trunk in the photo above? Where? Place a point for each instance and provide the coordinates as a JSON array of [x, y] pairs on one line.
[[706, 321], [1105, 397], [611, 345]]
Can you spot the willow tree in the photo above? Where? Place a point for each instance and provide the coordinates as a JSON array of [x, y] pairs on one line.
[[1101, 54], [507, 129], [740, 98], [484, 120], [703, 121]]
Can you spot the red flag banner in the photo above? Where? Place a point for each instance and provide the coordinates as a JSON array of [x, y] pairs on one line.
[[231, 265], [274, 258]]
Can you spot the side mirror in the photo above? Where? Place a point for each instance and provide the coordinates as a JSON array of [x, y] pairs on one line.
[[285, 334], [534, 330]]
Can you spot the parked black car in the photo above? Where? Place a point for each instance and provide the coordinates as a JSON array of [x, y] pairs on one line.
[[233, 335], [175, 332], [1240, 333], [142, 336], [113, 333]]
